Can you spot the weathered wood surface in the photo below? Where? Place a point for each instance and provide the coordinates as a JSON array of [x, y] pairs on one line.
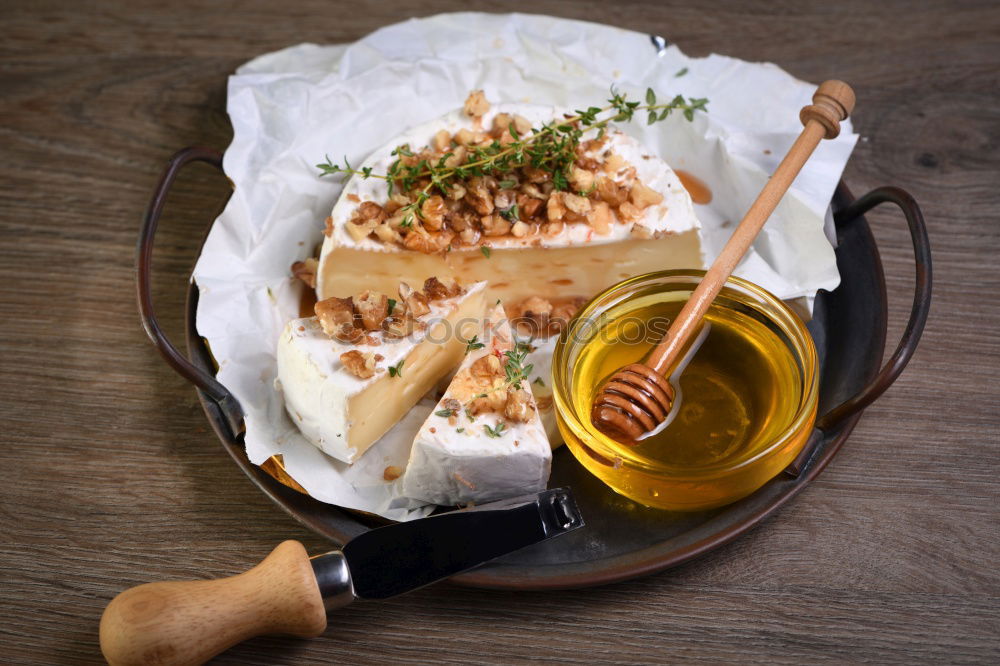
[[112, 477]]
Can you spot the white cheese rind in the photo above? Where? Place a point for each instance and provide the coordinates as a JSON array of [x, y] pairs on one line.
[[449, 467], [319, 392], [342, 256]]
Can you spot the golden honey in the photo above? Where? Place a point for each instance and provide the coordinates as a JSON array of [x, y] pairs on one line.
[[747, 399]]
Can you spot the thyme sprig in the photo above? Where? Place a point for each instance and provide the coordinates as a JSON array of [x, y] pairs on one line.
[[551, 147]]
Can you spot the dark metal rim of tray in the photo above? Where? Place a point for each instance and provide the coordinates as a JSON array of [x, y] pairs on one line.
[[622, 540]]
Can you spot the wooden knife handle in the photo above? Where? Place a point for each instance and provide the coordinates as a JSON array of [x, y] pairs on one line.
[[190, 622]]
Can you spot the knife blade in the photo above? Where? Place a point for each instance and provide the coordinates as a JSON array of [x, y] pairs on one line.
[[290, 593], [396, 559]]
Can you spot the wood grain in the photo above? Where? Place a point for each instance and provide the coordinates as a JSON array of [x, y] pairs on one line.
[[113, 479]]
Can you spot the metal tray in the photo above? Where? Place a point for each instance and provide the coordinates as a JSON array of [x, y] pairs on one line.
[[622, 539]]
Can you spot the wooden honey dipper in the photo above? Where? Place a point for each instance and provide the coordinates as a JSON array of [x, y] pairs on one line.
[[637, 398]]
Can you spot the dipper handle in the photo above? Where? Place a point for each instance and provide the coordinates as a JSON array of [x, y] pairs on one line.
[[833, 101], [186, 623]]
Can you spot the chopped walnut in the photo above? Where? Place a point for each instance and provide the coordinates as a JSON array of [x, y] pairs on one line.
[[387, 234], [306, 271], [629, 212], [373, 308], [435, 290], [613, 163], [577, 205], [555, 208], [518, 405], [486, 366], [391, 473], [581, 179], [400, 326], [611, 192], [336, 317], [643, 196], [479, 197], [494, 399], [476, 105], [522, 125], [432, 212], [441, 141], [536, 306], [416, 302], [428, 242], [454, 408], [520, 229], [364, 220], [328, 226], [495, 225], [600, 218], [360, 365]]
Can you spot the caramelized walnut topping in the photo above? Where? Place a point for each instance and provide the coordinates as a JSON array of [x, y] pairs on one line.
[[360, 365], [373, 308], [306, 271], [336, 317], [328, 226], [523, 199]]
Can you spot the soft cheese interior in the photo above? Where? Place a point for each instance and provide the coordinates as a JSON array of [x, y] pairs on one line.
[[343, 414], [476, 454], [577, 260]]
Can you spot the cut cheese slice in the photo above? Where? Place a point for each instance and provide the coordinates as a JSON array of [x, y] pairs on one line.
[[460, 457], [577, 260], [343, 414]]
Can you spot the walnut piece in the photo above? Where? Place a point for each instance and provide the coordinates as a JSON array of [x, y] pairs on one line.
[[476, 105], [415, 301], [600, 218], [486, 366], [435, 290], [391, 473], [336, 317], [643, 196], [373, 307], [360, 365], [306, 271], [518, 405]]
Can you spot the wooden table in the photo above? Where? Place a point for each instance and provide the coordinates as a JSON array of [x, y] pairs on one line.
[[112, 477]]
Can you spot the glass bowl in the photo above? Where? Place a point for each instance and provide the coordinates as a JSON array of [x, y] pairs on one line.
[[762, 449]]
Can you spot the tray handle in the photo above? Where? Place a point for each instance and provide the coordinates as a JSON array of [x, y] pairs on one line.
[[914, 327], [219, 394]]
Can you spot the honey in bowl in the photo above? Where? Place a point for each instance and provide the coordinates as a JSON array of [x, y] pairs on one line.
[[746, 404]]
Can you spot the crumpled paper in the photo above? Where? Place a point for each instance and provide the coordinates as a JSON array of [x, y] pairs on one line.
[[292, 107]]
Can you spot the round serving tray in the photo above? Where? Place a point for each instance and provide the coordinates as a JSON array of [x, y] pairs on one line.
[[621, 539]]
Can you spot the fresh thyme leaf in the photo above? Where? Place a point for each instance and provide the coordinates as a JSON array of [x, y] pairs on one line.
[[496, 431], [468, 414], [444, 413], [460, 430], [681, 72], [392, 305], [485, 250], [507, 184], [397, 370], [650, 96], [473, 344], [510, 214], [538, 380]]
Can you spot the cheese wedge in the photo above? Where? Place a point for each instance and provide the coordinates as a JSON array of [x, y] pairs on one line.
[[477, 455], [343, 414], [578, 260]]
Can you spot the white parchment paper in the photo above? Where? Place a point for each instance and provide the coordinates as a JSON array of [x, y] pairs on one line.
[[292, 107]]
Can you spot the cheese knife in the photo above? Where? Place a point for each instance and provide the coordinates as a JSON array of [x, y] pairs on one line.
[[175, 623]]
